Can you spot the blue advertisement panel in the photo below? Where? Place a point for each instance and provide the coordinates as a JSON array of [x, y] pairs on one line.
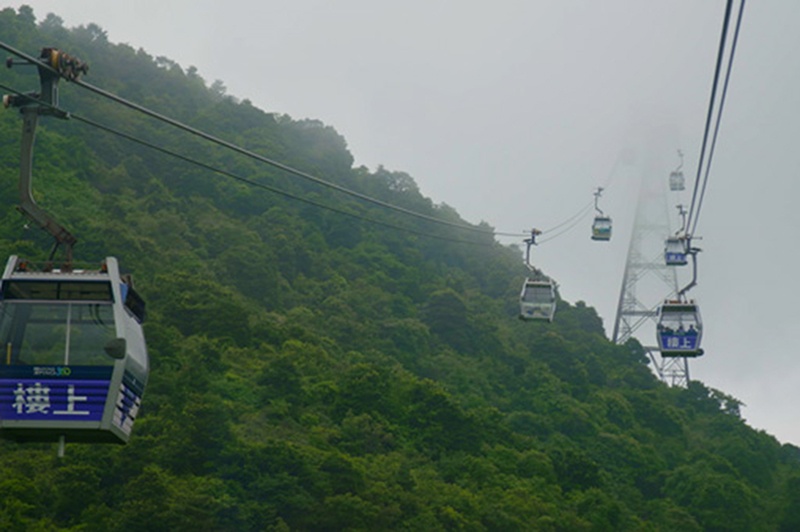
[[53, 393]]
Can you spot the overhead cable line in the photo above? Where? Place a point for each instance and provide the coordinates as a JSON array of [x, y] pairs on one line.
[[286, 168], [237, 177], [719, 116], [251, 154], [577, 218], [266, 160], [710, 112], [701, 180]]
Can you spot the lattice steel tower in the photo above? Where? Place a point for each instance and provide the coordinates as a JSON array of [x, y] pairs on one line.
[[648, 281]]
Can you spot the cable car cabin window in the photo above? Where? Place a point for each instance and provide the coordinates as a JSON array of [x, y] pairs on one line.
[[679, 322], [537, 294], [52, 290], [602, 223], [134, 302], [56, 333]]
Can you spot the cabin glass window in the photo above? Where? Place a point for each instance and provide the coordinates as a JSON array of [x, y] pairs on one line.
[[56, 333], [57, 290]]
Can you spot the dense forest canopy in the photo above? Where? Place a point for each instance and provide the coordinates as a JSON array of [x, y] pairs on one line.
[[315, 371]]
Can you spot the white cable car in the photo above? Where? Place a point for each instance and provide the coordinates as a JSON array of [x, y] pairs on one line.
[[680, 329], [537, 301], [675, 251], [601, 228], [74, 360], [676, 181]]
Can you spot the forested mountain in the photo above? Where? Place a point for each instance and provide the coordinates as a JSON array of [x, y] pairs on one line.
[[312, 370]]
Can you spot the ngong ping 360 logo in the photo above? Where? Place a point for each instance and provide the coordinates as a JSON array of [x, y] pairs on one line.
[[52, 371]]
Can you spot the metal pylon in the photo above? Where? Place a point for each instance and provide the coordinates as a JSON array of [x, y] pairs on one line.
[[648, 281]]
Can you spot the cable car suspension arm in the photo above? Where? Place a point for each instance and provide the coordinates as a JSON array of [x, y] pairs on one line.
[[597, 197], [60, 64], [28, 205], [530, 242], [693, 252], [682, 214]]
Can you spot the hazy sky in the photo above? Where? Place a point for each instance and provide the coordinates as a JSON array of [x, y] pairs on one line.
[[514, 111]]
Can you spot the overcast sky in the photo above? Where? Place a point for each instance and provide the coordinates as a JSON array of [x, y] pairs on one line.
[[513, 111]]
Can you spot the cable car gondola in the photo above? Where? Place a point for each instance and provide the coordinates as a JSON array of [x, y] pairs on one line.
[[680, 329], [74, 361], [537, 301], [675, 251], [676, 180], [601, 227]]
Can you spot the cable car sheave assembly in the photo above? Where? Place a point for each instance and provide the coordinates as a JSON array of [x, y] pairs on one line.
[[74, 359]]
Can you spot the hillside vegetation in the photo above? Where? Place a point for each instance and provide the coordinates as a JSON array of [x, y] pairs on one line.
[[315, 371]]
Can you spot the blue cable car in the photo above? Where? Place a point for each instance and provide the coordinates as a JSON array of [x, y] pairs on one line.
[[537, 301], [675, 251], [74, 361], [680, 329]]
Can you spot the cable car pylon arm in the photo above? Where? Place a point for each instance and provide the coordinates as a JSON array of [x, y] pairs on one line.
[[31, 106], [530, 242], [597, 195], [682, 214], [692, 251], [27, 204]]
